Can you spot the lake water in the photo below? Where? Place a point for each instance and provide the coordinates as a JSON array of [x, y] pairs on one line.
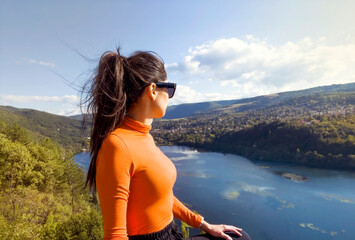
[[230, 189]]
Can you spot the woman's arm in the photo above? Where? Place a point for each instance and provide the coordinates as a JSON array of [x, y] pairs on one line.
[[184, 214], [113, 176]]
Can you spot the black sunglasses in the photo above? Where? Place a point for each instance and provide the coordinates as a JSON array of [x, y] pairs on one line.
[[170, 86]]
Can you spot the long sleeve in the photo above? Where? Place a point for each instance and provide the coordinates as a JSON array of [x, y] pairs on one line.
[[114, 171], [184, 214], [135, 181]]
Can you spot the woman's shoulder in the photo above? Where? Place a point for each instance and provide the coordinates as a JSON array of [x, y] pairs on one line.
[[114, 139], [125, 138]]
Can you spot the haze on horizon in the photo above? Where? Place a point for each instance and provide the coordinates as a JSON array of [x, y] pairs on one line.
[[213, 51]]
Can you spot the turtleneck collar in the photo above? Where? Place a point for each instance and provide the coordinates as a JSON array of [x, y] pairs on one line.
[[135, 125]]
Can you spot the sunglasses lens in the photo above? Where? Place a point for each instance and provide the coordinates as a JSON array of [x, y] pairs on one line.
[[171, 92]]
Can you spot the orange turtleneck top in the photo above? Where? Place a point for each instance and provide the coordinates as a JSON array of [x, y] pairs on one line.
[[134, 181]]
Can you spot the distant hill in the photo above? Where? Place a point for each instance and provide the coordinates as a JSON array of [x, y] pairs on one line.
[[312, 128], [188, 109], [77, 117], [63, 130], [241, 105], [67, 130]]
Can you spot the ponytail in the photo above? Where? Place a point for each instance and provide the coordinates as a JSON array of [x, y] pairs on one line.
[[117, 83]]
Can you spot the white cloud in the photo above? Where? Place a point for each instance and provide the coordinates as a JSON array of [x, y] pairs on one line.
[[32, 61], [185, 94], [61, 105], [26, 99], [254, 65]]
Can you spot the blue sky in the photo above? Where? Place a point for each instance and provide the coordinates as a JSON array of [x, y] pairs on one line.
[[214, 50]]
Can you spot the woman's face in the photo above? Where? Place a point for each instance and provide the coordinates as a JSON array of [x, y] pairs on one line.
[[162, 101]]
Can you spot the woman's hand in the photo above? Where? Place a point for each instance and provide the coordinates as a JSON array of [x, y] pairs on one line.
[[218, 230]]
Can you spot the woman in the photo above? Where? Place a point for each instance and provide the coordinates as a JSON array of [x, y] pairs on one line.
[[133, 178]]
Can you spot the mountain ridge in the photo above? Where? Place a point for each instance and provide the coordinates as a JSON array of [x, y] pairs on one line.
[[212, 120], [60, 129], [190, 109]]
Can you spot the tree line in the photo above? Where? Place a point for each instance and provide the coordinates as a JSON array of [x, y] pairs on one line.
[[42, 194], [317, 130]]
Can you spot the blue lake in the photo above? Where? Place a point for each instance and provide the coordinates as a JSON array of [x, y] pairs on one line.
[[230, 189]]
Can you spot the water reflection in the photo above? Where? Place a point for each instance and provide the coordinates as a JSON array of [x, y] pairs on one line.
[[200, 174], [332, 197], [227, 188], [268, 192]]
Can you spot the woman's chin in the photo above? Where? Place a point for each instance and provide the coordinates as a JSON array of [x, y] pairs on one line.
[[160, 115]]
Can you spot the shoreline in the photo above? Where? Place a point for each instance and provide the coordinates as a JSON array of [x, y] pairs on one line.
[[204, 149]]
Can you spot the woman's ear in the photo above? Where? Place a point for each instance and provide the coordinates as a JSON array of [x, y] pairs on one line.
[[151, 91]]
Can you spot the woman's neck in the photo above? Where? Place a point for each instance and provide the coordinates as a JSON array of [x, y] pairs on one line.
[[145, 121], [141, 111], [140, 116]]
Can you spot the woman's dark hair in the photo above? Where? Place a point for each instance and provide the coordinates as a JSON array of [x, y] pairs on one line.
[[117, 82]]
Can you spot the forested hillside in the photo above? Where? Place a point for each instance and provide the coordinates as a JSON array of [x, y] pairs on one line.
[[321, 118], [254, 103], [42, 193], [41, 186], [316, 130], [60, 129]]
